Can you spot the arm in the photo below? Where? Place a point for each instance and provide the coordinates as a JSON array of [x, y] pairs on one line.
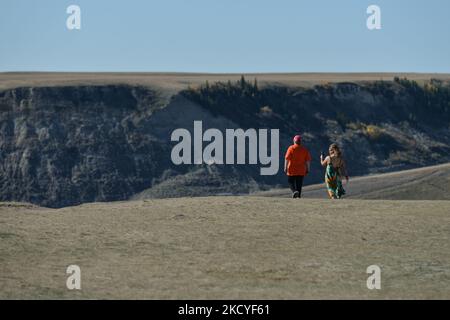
[[324, 162], [287, 159], [308, 167], [344, 170]]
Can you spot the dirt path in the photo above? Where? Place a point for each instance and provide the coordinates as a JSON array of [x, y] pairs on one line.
[[428, 183]]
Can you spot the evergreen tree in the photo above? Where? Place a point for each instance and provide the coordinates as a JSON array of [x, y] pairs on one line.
[[242, 82], [255, 86], [229, 88]]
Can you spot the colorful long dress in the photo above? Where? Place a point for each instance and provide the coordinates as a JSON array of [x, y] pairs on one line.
[[334, 183]]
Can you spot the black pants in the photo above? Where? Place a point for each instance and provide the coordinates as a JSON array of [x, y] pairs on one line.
[[296, 183]]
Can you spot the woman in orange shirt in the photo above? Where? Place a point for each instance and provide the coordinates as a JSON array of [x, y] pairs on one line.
[[297, 165]]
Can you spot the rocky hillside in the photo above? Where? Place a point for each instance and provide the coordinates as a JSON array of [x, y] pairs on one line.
[[66, 145]]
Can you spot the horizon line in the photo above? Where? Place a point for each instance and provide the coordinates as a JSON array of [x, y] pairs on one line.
[[232, 73]]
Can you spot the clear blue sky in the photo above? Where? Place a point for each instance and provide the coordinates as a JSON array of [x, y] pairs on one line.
[[225, 36]]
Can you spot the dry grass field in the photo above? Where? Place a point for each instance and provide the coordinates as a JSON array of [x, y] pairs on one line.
[[227, 248], [178, 81]]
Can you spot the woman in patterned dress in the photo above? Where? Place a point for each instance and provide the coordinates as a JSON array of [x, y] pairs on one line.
[[335, 171]]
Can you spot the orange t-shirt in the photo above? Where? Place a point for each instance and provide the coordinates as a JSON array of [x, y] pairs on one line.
[[297, 155]]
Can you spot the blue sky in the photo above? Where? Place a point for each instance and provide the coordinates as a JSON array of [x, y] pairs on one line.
[[225, 36]]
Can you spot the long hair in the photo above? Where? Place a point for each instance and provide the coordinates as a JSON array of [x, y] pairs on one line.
[[336, 149]]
